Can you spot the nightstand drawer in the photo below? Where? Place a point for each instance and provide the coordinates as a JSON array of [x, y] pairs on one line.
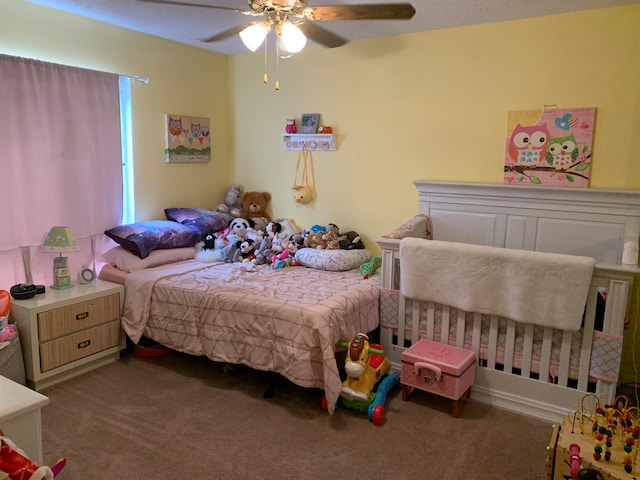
[[79, 345], [73, 318]]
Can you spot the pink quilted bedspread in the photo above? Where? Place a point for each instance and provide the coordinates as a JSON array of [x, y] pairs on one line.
[[286, 321]]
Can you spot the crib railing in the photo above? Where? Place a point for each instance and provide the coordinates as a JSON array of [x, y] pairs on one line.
[[539, 371]]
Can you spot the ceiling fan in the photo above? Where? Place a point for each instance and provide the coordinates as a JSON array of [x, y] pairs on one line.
[[283, 14]]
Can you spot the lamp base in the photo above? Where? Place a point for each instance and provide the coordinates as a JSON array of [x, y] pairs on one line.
[[61, 287]]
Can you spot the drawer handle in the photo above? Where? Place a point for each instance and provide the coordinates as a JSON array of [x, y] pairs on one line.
[[82, 316], [84, 344]]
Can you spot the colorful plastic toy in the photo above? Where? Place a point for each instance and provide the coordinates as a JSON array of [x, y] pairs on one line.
[[369, 378]]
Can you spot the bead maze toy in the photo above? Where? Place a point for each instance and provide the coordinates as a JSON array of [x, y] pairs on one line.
[[597, 439], [369, 378]]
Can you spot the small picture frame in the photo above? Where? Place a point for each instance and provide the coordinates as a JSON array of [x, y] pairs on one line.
[[309, 123]]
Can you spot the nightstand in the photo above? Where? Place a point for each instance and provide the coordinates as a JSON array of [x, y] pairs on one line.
[[68, 332]]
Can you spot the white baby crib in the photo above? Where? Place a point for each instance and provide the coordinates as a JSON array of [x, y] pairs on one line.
[[534, 370]]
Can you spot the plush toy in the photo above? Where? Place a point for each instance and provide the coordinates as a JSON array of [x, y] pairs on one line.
[[206, 249], [245, 252], [232, 202], [240, 226], [369, 268], [350, 240], [330, 237], [314, 240], [255, 204], [302, 194], [14, 463], [291, 126], [263, 252], [296, 242]]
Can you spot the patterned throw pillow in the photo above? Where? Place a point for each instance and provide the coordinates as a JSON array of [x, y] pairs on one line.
[[144, 237], [203, 220]]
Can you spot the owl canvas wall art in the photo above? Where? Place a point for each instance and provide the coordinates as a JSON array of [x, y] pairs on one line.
[[187, 139], [550, 147]]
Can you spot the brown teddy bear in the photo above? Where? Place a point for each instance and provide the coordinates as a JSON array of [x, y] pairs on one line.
[[254, 204]]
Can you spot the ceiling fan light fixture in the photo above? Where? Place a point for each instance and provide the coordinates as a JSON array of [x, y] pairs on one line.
[[293, 40], [253, 36]]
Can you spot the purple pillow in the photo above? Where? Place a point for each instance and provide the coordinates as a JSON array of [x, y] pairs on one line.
[[200, 219], [144, 237]]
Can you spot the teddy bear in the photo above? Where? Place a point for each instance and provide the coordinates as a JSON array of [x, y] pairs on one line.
[[232, 202], [254, 204]]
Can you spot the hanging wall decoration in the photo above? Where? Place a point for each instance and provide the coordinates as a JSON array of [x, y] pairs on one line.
[[187, 139], [549, 147], [302, 190]]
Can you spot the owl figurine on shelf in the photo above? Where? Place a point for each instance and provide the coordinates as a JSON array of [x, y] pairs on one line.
[[562, 152], [528, 144], [291, 126]]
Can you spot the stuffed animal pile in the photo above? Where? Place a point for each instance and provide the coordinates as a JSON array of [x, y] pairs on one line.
[[255, 238]]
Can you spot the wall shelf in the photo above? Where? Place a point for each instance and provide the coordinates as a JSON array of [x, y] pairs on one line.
[[327, 142]]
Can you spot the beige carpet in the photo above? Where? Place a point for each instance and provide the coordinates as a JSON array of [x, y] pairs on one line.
[[182, 417]]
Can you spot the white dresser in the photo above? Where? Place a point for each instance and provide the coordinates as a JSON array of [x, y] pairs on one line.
[[20, 417]]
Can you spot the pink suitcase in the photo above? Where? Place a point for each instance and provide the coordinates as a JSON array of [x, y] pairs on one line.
[[441, 369]]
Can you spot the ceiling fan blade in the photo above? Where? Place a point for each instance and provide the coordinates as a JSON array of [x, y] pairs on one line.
[[385, 11], [226, 34], [321, 35], [202, 5]]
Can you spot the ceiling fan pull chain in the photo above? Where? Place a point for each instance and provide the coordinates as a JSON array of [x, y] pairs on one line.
[[265, 77], [277, 64]]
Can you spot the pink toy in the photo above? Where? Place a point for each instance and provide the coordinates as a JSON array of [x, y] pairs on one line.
[[291, 126]]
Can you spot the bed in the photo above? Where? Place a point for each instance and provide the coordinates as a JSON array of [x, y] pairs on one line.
[[284, 320], [536, 370]]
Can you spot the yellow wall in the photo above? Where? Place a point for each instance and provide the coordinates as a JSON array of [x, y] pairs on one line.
[[429, 105], [433, 105], [183, 80]]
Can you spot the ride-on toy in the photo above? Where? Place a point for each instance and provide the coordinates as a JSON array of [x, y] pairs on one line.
[[369, 378]]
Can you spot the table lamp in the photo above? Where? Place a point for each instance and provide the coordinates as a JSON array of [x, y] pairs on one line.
[[60, 240]]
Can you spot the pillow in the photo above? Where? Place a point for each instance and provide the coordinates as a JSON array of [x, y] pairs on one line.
[[418, 227], [200, 219], [129, 262], [332, 260], [144, 237]]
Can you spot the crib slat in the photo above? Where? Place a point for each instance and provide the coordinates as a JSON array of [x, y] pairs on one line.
[[415, 321], [431, 313], [527, 350], [444, 330], [565, 358], [545, 354], [402, 315], [476, 333], [460, 328], [509, 346], [493, 342], [587, 338]]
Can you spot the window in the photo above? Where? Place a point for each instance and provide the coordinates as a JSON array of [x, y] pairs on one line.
[[128, 198]]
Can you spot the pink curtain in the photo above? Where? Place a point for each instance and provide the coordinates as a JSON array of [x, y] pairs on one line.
[[60, 157]]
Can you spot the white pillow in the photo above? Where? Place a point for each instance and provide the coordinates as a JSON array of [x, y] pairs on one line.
[[130, 262], [332, 260]]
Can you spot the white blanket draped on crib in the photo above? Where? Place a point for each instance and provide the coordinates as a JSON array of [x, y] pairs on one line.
[[546, 289]]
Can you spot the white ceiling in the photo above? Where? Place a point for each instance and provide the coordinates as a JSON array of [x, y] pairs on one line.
[[189, 25]]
